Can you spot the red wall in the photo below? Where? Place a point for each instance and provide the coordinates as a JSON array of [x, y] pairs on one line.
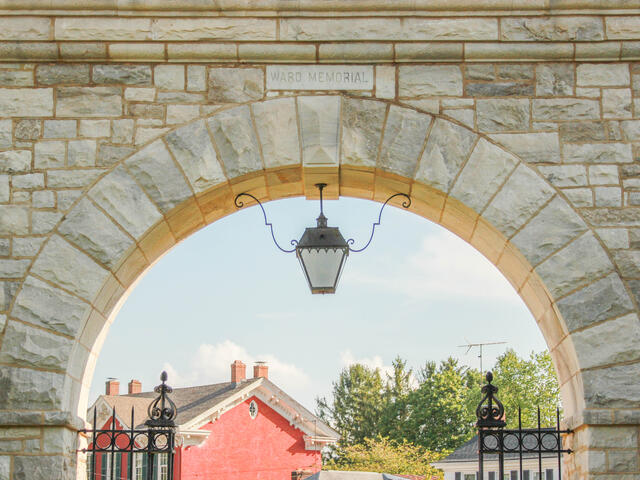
[[242, 448]]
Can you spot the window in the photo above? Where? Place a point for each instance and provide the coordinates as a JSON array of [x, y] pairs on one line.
[[469, 476], [253, 409], [549, 474], [514, 475], [139, 466], [492, 475], [90, 466], [163, 466], [458, 476], [526, 475]]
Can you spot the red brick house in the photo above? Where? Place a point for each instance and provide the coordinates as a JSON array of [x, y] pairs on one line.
[[241, 429]]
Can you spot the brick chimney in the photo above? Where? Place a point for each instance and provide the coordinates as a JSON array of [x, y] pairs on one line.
[[112, 387], [238, 371], [135, 386], [261, 369]]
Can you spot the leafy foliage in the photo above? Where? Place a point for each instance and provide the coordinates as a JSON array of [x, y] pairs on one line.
[[381, 454], [383, 420]]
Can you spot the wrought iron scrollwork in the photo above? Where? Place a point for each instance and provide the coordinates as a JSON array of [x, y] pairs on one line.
[[490, 411], [405, 204], [239, 204], [162, 410]]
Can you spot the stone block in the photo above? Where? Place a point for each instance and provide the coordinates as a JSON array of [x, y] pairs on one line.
[[28, 181], [60, 129], [16, 78], [602, 344], [563, 109], [28, 129], [122, 130], [50, 154], [214, 28], [362, 122], [6, 127], [616, 103], [235, 85], [480, 72], [354, 52], [146, 110], [37, 390], [628, 262], [611, 388], [14, 161], [429, 80], [5, 190], [487, 167], [428, 52], [169, 77], [5, 466], [26, 102], [192, 148], [631, 129], [319, 119], [110, 154], [574, 266], [616, 237], [42, 222], [23, 28], [84, 51], [66, 198], [583, 131], [121, 197], [14, 220], [499, 89], [465, 116], [498, 115], [37, 467], [300, 53], [448, 147], [622, 27], [56, 74], [515, 72], [27, 246], [403, 138], [92, 231], [236, 140], [603, 75], [598, 153], [519, 199], [202, 52], [385, 81], [555, 80], [608, 196], [145, 134], [34, 347], [565, 175], [181, 113], [137, 52], [68, 267], [623, 460], [336, 29], [94, 128], [553, 227], [155, 170], [140, 94], [277, 127], [89, 102], [532, 147], [552, 28], [196, 78], [103, 28], [10, 268]]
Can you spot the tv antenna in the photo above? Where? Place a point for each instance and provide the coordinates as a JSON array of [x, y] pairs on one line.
[[470, 345]]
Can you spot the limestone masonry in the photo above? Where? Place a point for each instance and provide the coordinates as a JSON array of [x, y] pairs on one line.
[[125, 126]]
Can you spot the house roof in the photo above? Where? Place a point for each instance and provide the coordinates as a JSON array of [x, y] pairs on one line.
[[190, 401], [199, 405], [468, 451]]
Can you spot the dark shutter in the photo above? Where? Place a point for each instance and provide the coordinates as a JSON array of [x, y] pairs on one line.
[[492, 475], [458, 476], [514, 475], [549, 474], [526, 475], [103, 465], [118, 465]]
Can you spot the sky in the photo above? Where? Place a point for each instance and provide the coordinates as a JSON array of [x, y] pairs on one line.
[[227, 293]]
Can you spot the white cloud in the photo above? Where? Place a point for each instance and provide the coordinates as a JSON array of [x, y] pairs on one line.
[[211, 364], [348, 358], [445, 268]]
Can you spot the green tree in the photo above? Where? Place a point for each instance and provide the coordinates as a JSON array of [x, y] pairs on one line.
[[380, 454], [438, 417], [397, 390], [527, 383], [357, 406]]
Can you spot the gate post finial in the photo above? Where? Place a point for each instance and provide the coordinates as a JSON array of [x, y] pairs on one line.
[[490, 411], [162, 410]]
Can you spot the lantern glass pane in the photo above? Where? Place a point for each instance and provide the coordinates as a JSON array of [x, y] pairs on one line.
[[322, 268]]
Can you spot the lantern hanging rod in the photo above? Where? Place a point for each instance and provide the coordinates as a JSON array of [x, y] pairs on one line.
[[405, 204]]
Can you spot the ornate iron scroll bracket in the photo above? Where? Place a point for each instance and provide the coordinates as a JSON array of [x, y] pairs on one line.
[[405, 204], [239, 204], [490, 411], [162, 410]]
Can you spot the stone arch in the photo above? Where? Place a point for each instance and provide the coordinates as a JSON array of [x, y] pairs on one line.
[[187, 178]]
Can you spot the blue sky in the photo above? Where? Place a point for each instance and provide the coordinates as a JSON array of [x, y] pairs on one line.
[[227, 293]]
